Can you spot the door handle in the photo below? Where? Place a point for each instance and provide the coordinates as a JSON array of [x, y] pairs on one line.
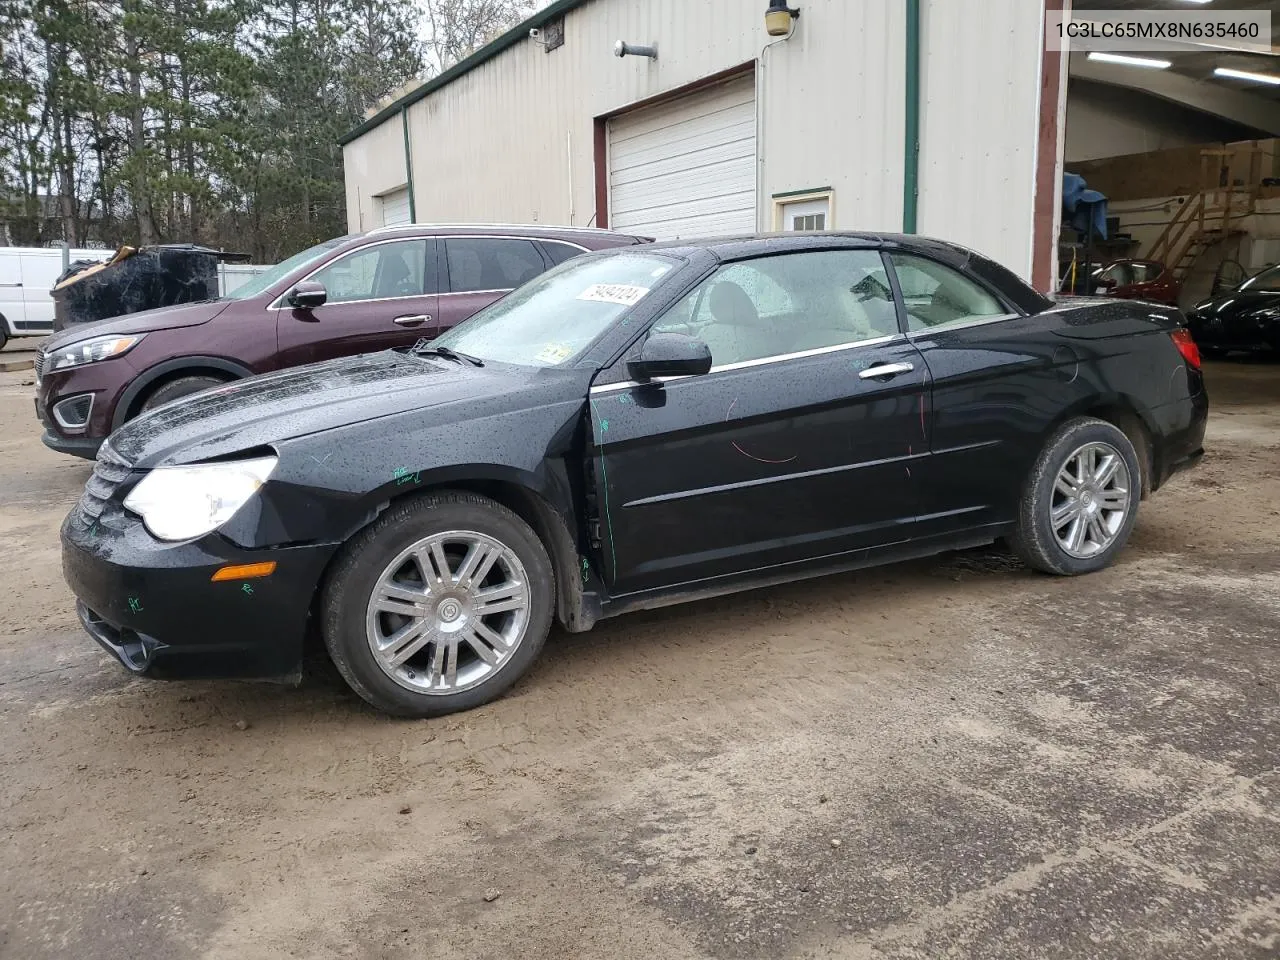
[[413, 320], [885, 370], [10, 284]]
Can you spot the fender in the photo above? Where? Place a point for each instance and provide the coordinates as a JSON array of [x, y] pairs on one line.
[[149, 376]]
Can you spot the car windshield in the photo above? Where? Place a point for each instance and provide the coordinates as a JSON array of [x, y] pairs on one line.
[[1268, 281], [273, 275], [552, 320]]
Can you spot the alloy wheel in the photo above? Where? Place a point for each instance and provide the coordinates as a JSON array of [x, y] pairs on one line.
[[1091, 499], [448, 612]]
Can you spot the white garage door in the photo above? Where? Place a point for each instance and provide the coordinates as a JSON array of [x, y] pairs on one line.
[[395, 208], [686, 168]]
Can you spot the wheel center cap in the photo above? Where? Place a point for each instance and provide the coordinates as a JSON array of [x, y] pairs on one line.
[[449, 610], [1086, 498]]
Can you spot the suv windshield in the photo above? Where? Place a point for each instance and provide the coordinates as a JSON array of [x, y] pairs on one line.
[[270, 277], [550, 321], [1268, 281]]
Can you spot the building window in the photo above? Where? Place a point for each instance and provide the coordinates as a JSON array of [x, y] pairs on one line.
[[805, 210]]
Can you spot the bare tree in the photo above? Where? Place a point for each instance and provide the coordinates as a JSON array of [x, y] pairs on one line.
[[460, 27]]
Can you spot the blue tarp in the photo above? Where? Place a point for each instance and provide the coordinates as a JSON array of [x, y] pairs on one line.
[[1080, 205]]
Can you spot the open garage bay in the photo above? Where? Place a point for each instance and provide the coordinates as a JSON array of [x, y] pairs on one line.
[[947, 757]]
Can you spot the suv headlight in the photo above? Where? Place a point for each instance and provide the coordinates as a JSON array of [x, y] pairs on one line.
[[91, 351], [182, 503]]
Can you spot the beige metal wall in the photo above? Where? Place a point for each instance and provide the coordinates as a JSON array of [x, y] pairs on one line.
[[513, 140], [374, 165], [980, 83]]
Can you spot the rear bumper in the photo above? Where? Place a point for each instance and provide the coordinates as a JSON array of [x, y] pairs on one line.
[[1179, 441], [155, 608]]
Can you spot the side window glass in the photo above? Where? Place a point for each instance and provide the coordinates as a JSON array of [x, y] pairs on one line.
[[773, 306], [938, 296], [380, 271], [560, 252], [480, 263]]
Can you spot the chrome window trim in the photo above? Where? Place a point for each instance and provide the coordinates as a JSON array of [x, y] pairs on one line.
[[279, 302], [759, 362], [472, 293], [962, 325]]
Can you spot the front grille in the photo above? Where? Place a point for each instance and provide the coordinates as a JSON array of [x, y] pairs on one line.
[[109, 471], [40, 362]]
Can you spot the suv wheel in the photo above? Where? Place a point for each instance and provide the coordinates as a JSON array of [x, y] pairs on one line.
[[176, 389], [440, 605]]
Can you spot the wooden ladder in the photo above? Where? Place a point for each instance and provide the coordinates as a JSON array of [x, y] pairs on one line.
[[1208, 217]]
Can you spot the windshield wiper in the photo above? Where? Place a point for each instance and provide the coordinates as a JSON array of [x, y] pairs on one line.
[[421, 348]]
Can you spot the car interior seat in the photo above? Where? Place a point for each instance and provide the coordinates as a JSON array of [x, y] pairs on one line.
[[736, 332]]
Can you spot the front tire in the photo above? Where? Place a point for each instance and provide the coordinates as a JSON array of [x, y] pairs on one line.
[[1080, 501], [440, 605], [177, 389]]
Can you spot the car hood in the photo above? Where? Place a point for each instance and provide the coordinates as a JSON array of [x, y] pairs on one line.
[[1230, 304], [264, 410], [145, 321]]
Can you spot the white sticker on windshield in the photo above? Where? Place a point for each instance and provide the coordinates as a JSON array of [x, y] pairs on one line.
[[624, 293]]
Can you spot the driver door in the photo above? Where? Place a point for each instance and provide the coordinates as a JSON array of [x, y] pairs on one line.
[[381, 295], [793, 447]]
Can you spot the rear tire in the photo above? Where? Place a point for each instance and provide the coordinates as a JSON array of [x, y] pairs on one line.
[[403, 611], [177, 389], [1080, 500]]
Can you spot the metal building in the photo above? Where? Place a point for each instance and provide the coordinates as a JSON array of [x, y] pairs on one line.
[[935, 116]]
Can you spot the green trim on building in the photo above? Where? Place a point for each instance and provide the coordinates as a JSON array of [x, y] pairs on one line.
[[490, 50], [801, 193], [911, 159], [408, 165]]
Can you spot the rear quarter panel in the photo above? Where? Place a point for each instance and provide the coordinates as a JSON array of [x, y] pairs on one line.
[[1000, 389]]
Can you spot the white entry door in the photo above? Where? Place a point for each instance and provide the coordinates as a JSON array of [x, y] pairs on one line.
[[686, 168]]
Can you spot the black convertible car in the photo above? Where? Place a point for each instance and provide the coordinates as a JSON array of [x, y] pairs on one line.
[[631, 429], [1246, 318]]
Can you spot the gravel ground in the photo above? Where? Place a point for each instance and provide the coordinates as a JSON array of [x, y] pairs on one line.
[[953, 757]]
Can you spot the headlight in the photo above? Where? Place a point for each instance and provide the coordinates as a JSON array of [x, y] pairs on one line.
[[181, 503], [1268, 313], [91, 351]]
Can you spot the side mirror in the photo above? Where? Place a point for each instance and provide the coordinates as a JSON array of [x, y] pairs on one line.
[[307, 295], [670, 355]]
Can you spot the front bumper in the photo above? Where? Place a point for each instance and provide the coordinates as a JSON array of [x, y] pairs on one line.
[[154, 606], [104, 382]]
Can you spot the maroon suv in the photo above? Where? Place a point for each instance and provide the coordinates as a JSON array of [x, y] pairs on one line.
[[356, 294]]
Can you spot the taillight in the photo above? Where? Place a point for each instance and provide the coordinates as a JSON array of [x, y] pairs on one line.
[[1187, 347]]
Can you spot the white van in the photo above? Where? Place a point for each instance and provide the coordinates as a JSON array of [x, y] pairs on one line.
[[27, 274]]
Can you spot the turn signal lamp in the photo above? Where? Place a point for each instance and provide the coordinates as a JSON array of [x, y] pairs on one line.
[[244, 571]]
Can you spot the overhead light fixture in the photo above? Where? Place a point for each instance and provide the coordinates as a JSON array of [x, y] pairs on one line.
[[777, 19], [1197, 1], [1124, 60], [1270, 78]]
